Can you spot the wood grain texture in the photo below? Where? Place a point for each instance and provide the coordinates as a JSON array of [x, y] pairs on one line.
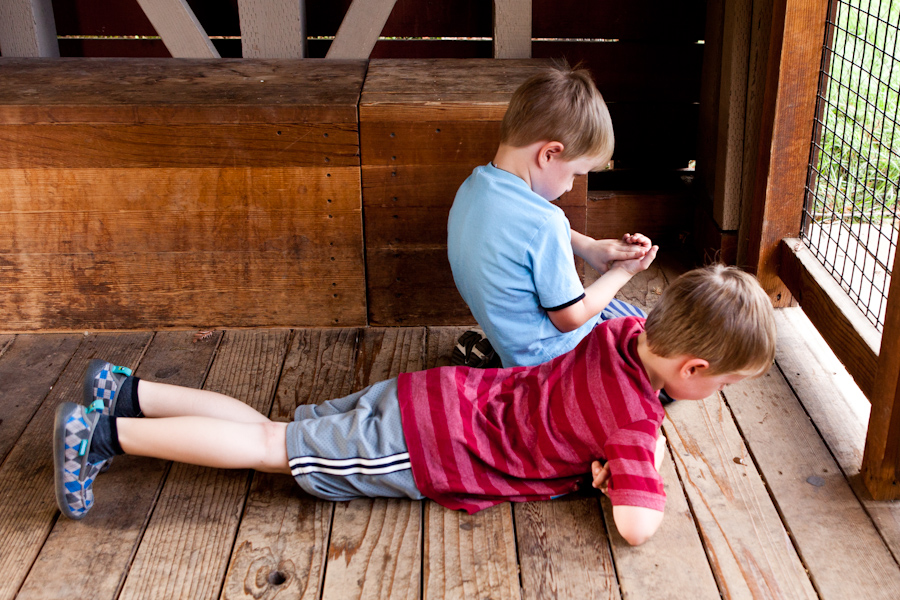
[[131, 91], [28, 468], [795, 53], [745, 540], [835, 404], [564, 550], [185, 549], [822, 514], [851, 336], [512, 28], [654, 570], [661, 216], [375, 549], [281, 546], [360, 28], [128, 290], [881, 461], [126, 494], [179, 28], [286, 210], [732, 113], [27, 28], [29, 368], [273, 29], [325, 145], [466, 556]]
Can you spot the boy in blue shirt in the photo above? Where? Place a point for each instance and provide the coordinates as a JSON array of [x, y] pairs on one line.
[[512, 251]]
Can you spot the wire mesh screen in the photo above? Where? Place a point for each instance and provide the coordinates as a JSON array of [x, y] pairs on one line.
[[850, 213]]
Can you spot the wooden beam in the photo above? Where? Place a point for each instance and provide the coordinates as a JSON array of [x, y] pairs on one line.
[[27, 29], [789, 103], [881, 460], [273, 28], [179, 28], [360, 28], [852, 338], [732, 113], [512, 28]]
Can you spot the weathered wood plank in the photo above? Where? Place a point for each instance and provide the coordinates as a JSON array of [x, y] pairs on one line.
[[840, 546], [360, 29], [661, 216], [164, 92], [789, 100], [376, 544], [673, 563], [179, 28], [282, 542], [745, 540], [29, 368], [325, 145], [881, 460], [851, 336], [27, 28], [836, 405], [512, 28], [28, 469], [126, 495], [564, 550], [470, 556], [289, 210], [180, 289], [186, 547], [272, 29], [466, 556]]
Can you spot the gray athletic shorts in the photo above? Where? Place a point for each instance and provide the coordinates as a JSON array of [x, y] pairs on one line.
[[352, 447]]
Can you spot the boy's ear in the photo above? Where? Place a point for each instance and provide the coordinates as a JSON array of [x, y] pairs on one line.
[[692, 367], [549, 151]]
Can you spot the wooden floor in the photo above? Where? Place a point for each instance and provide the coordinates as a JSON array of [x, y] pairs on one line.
[[761, 483]]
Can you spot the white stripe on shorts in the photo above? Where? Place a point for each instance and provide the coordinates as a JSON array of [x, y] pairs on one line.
[[350, 471], [304, 465]]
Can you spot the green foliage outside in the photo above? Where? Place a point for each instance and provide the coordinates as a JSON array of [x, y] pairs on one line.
[[860, 156]]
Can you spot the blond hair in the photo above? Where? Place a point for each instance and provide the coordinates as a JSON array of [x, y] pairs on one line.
[[560, 104], [717, 313]]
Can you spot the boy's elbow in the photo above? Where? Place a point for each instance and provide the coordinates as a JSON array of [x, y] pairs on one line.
[[567, 319], [635, 524], [636, 537]]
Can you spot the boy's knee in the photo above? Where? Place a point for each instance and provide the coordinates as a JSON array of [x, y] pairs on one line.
[[274, 441]]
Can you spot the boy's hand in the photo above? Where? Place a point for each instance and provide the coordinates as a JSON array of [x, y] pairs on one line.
[[635, 266], [600, 475], [600, 254]]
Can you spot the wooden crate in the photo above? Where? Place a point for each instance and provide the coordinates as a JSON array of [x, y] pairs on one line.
[[144, 193], [424, 125]]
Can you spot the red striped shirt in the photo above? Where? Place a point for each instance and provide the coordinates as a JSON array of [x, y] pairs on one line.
[[478, 437]]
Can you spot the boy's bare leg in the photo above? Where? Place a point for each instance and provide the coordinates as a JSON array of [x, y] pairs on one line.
[[208, 442], [164, 400]]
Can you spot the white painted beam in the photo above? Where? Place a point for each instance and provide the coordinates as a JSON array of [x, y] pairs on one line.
[[360, 29], [179, 28], [27, 29], [512, 28], [273, 28]]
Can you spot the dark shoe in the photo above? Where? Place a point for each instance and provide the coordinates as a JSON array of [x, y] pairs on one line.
[[102, 382], [73, 473]]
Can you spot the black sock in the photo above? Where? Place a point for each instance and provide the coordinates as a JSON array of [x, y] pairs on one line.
[[105, 441], [127, 404]]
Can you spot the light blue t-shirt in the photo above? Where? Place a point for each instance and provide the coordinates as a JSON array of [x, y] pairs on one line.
[[511, 255]]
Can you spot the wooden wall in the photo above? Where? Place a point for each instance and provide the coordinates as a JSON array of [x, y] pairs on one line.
[[147, 194]]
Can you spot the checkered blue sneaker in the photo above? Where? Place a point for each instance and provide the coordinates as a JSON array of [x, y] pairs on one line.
[[102, 381], [73, 474]]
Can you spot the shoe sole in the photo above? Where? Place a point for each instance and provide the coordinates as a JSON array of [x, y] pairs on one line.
[[59, 460]]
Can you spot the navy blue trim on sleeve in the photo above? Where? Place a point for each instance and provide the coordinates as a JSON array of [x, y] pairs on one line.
[[566, 305]]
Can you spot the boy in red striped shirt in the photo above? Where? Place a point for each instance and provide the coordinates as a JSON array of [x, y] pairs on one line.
[[466, 438]]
